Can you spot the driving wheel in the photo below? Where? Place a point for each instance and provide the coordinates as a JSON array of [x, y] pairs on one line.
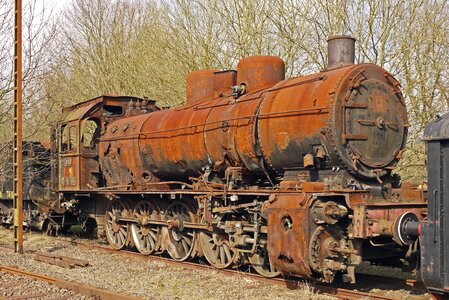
[[217, 249], [180, 241], [116, 231], [146, 237]]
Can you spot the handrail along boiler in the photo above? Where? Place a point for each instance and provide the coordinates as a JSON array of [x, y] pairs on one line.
[[291, 176]]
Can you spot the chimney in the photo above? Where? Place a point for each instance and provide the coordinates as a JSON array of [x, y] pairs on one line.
[[340, 51]]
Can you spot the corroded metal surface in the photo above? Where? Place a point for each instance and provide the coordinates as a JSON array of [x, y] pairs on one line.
[[341, 117], [199, 86], [435, 232], [260, 72], [203, 85], [288, 251]]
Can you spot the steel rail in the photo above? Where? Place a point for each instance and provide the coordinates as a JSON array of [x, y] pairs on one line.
[[70, 285]]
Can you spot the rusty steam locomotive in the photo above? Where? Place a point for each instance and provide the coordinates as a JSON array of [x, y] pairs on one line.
[[291, 176]]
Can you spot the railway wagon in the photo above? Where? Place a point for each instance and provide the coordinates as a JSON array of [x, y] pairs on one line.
[[435, 230]]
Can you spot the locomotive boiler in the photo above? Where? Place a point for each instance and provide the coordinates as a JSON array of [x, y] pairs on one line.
[[290, 176]]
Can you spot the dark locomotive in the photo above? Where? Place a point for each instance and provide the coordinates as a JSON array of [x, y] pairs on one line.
[[290, 176], [36, 184]]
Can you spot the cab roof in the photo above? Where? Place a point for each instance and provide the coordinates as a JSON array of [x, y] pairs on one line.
[[79, 110]]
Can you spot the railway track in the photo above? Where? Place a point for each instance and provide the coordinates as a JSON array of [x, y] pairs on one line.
[[331, 290], [16, 284], [292, 283]]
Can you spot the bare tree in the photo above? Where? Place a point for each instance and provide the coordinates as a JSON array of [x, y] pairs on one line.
[[37, 39], [146, 48], [38, 36]]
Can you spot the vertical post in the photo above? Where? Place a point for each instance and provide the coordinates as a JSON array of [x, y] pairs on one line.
[[17, 186]]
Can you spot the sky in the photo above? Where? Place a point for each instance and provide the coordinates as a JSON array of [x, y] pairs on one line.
[[56, 4]]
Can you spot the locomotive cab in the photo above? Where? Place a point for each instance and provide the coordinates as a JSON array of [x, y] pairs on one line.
[[78, 150], [78, 141]]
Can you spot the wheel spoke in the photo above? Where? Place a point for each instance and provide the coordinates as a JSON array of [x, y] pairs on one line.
[[152, 242], [123, 231], [147, 242], [119, 238], [217, 249], [116, 233], [188, 240], [222, 255], [217, 253], [185, 246], [153, 235], [228, 253]]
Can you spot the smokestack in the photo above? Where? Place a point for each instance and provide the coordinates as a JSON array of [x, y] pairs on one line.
[[340, 51]]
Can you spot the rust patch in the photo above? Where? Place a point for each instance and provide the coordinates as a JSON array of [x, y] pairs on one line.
[[282, 139]]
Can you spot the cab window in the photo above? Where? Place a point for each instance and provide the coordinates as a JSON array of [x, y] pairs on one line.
[[64, 133], [90, 133], [72, 138]]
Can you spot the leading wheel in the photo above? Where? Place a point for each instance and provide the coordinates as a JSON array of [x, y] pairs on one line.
[[146, 237], [180, 241], [116, 232], [217, 249]]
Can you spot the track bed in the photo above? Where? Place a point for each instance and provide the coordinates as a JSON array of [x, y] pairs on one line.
[[152, 277]]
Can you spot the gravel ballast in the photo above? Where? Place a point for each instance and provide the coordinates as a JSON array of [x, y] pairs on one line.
[[145, 278]]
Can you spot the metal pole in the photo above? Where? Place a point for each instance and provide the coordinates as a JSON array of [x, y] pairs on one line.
[[17, 187]]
